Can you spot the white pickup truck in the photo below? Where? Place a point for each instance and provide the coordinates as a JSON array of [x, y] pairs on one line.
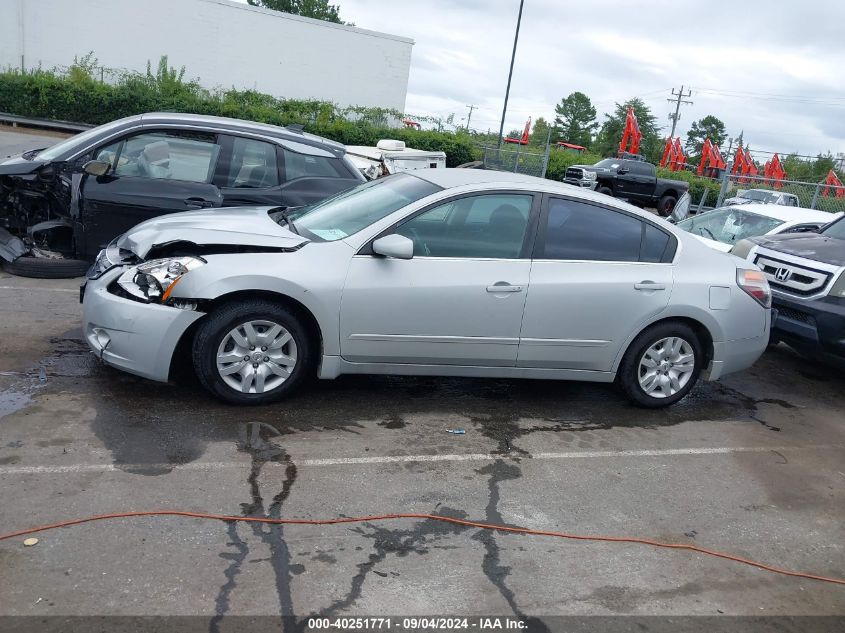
[[391, 157]]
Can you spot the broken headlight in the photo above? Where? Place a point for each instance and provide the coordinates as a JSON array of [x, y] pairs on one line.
[[154, 280], [110, 257]]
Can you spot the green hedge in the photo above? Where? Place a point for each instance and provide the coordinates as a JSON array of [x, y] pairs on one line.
[[77, 94], [697, 185]]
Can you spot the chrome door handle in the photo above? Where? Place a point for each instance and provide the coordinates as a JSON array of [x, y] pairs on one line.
[[503, 287], [649, 285]]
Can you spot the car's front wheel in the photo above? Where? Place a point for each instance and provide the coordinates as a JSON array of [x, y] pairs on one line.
[[662, 365], [252, 352]]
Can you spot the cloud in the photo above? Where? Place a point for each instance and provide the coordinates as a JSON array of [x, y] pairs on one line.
[[773, 74]]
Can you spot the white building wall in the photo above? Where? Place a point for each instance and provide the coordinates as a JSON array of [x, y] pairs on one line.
[[222, 43]]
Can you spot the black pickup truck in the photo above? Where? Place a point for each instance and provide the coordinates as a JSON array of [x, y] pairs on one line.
[[633, 180], [806, 272]]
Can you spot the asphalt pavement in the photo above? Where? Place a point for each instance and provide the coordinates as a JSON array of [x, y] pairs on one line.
[[753, 465]]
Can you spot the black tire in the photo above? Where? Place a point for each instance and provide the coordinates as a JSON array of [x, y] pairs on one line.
[[605, 190], [628, 376], [220, 323], [666, 205], [44, 268]]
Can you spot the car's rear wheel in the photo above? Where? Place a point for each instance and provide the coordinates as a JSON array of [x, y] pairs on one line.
[[252, 352], [661, 366], [666, 205]]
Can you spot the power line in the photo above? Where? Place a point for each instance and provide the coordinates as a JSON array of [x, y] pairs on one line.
[[681, 98]]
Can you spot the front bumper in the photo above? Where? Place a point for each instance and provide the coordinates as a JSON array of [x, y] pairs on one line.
[[586, 184], [814, 327], [139, 338]]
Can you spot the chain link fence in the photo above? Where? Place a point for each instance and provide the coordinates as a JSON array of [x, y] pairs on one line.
[[809, 195], [517, 160]]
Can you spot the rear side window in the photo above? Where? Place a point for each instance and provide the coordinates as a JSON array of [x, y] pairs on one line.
[[307, 166], [655, 245], [253, 165], [578, 231]]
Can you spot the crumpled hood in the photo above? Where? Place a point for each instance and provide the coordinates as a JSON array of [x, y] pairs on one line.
[[233, 226], [820, 248], [18, 165]]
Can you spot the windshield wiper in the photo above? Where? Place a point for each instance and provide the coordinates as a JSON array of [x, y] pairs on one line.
[[282, 214]]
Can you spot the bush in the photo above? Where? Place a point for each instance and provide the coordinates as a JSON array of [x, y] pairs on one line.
[[560, 160], [697, 185], [77, 94]]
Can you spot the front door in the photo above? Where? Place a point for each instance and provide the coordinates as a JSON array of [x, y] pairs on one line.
[[458, 301], [153, 173], [598, 275]]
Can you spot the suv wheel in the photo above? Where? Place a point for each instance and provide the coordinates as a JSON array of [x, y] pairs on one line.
[[661, 365], [666, 205], [252, 352]]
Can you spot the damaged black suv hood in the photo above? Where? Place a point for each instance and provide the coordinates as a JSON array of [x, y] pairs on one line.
[[19, 166], [820, 248]]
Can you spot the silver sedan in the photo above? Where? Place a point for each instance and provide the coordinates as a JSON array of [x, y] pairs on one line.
[[446, 272]]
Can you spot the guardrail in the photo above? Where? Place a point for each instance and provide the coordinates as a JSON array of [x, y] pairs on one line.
[[46, 124]]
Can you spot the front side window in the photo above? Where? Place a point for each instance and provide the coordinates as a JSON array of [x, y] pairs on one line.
[[729, 225], [578, 231], [482, 226], [253, 165], [189, 157], [352, 210]]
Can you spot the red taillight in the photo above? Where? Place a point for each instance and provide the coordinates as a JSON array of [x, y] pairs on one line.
[[756, 285]]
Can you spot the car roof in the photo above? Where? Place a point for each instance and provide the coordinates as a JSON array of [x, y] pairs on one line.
[[454, 177], [226, 123], [787, 214]]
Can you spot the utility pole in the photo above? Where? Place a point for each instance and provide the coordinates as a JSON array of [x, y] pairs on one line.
[[681, 98], [510, 73], [469, 116]]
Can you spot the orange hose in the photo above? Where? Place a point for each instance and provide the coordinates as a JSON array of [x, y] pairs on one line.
[[433, 517]]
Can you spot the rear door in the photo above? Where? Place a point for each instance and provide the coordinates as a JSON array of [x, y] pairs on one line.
[[154, 172], [639, 181], [597, 276], [310, 174], [249, 171]]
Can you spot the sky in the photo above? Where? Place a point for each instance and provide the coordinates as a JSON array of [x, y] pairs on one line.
[[772, 70]]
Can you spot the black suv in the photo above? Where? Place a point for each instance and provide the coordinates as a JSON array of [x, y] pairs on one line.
[[806, 272], [74, 197]]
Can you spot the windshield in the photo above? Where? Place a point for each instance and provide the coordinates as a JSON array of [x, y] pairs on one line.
[[70, 144], [729, 225], [836, 230], [609, 163], [355, 209], [758, 195]]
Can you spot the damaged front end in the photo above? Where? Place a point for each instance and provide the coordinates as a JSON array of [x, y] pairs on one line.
[[31, 221]]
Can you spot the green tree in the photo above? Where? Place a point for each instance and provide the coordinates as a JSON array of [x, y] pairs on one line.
[[575, 117], [317, 9], [607, 140], [540, 133], [709, 127]]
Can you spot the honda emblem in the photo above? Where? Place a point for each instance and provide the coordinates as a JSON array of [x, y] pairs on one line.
[[783, 274]]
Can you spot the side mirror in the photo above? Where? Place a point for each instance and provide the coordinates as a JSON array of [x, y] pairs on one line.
[[96, 168], [682, 209], [396, 246]]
